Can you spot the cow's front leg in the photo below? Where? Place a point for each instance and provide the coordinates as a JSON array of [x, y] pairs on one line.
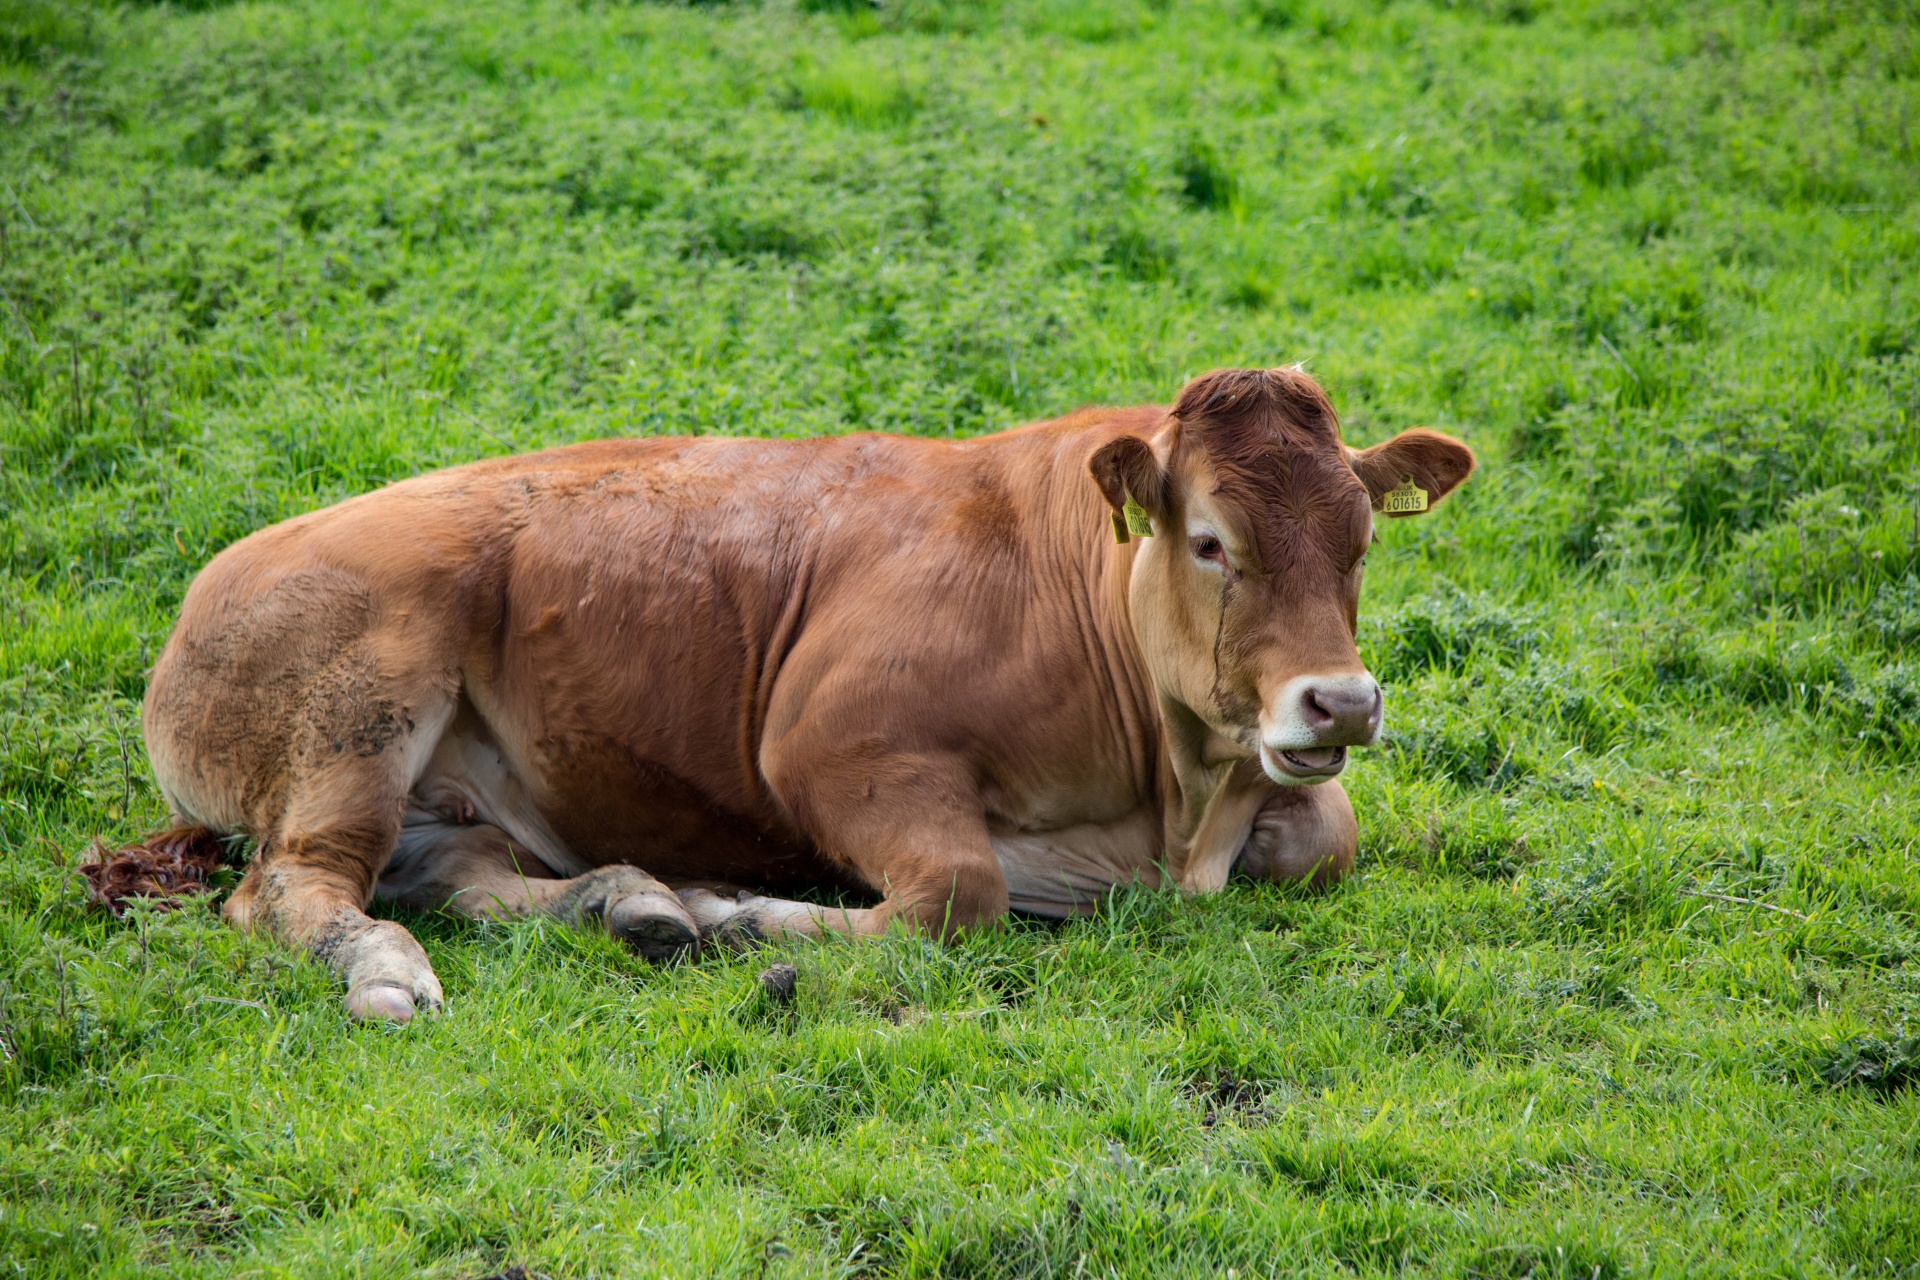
[[912, 827], [741, 920], [1302, 833]]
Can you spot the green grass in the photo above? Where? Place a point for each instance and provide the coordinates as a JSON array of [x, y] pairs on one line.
[[1629, 981]]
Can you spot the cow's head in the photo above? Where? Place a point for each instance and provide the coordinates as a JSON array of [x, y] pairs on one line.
[[1245, 599]]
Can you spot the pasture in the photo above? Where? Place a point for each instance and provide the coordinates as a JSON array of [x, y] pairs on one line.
[[1628, 980]]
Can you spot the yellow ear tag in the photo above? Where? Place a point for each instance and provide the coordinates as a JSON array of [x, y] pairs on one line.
[[1136, 514], [1408, 497]]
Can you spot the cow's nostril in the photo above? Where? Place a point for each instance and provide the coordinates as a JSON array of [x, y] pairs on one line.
[[1339, 711]]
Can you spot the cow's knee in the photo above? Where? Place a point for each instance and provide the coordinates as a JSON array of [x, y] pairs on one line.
[[1303, 833], [950, 900]]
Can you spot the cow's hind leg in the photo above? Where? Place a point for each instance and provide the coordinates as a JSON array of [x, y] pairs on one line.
[[358, 732], [478, 870], [314, 876]]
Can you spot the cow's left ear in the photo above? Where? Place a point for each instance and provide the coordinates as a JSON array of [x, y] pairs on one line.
[[1126, 469], [1409, 473]]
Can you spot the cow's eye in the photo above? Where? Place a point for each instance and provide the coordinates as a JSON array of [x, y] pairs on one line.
[[1207, 547]]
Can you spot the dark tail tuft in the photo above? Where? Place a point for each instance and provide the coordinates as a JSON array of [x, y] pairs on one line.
[[167, 865]]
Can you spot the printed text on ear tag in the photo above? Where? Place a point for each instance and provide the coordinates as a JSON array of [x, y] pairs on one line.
[[1137, 524], [1408, 497]]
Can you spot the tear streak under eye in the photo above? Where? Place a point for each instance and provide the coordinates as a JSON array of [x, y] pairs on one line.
[[1217, 694]]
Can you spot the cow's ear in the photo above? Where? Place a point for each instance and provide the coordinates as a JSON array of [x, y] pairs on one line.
[[1124, 468], [1409, 473]]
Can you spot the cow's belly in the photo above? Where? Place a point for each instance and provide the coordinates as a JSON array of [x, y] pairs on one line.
[[593, 804], [1067, 872], [587, 808]]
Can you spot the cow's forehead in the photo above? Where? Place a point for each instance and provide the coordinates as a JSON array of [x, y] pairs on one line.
[[1296, 501], [1268, 441]]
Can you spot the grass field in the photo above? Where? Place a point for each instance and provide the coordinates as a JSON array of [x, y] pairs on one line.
[[1629, 981]]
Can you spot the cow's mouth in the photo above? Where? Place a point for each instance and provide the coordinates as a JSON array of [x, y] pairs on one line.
[[1304, 764]]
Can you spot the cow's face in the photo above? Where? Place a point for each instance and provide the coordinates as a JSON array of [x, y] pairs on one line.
[[1245, 599]]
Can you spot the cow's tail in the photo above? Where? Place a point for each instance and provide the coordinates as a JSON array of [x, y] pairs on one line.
[[167, 866]]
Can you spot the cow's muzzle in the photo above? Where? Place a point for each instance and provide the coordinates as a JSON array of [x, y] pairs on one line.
[[1308, 727]]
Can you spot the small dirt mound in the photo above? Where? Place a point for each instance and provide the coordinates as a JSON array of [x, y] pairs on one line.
[[1245, 1100], [166, 866]]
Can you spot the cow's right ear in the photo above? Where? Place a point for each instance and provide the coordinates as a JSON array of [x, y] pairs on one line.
[[1125, 468], [1411, 472]]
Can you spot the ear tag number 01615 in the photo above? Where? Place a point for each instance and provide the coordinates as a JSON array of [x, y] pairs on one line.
[[1408, 497]]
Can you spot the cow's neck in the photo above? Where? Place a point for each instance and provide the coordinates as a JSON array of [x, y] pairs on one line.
[[1208, 794], [1214, 795]]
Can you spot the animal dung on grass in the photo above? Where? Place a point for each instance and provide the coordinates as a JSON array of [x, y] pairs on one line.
[[780, 982], [164, 867]]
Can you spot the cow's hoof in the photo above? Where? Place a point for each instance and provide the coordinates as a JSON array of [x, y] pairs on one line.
[[388, 977], [655, 925], [381, 1002], [724, 922], [740, 933]]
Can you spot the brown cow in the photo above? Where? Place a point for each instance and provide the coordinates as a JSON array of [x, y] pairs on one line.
[[925, 669]]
